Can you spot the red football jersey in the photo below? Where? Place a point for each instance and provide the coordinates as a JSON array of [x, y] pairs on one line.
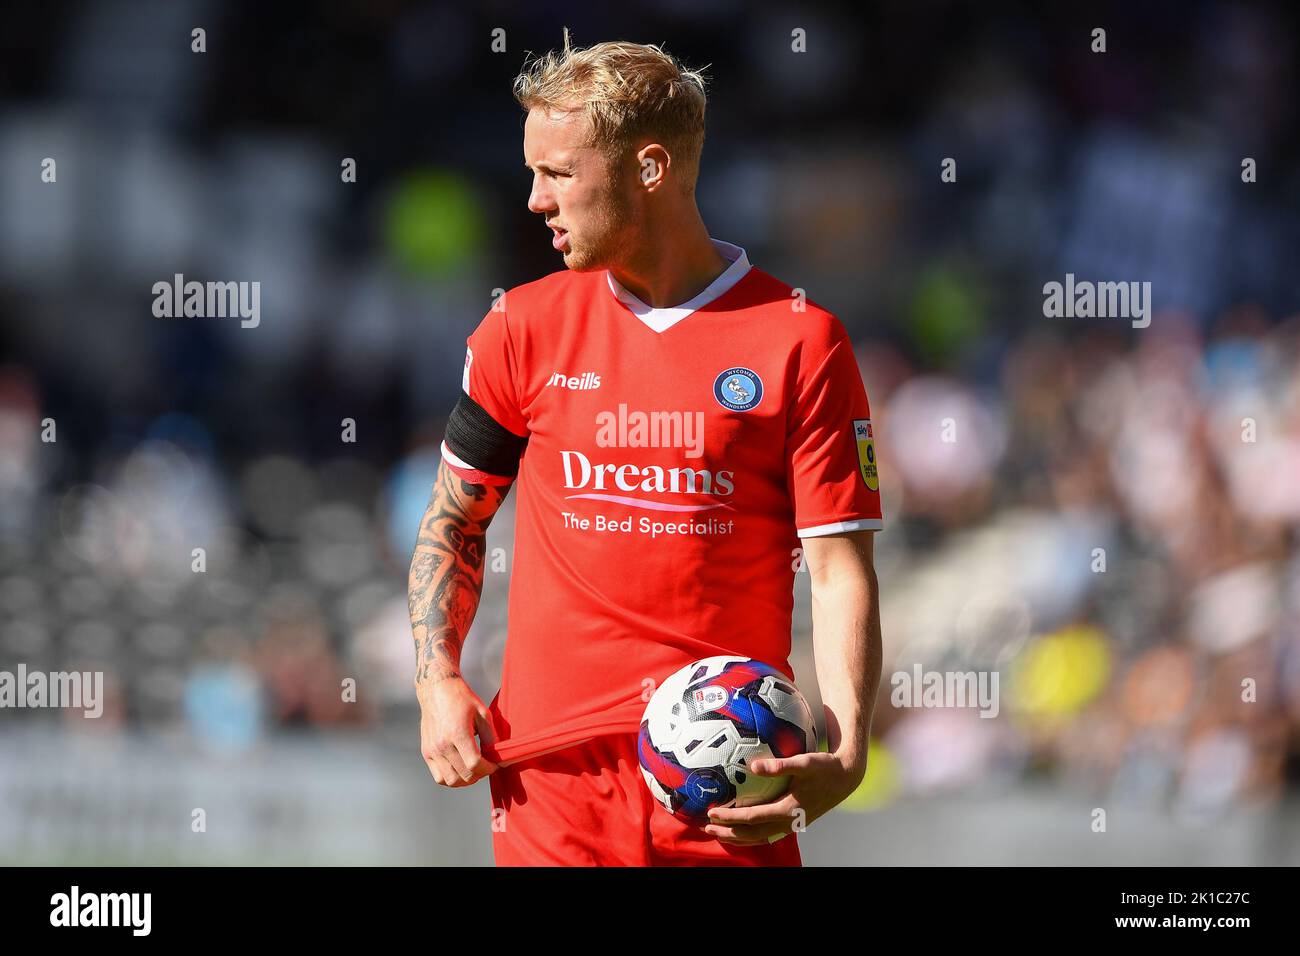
[[674, 459]]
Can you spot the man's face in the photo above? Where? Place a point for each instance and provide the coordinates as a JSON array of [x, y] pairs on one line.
[[586, 202]]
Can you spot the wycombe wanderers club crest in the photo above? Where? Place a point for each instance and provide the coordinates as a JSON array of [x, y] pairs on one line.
[[738, 389]]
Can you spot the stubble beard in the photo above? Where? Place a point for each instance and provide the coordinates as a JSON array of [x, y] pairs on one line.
[[606, 241]]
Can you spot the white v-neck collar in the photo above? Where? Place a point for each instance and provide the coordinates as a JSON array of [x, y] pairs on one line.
[[661, 319]]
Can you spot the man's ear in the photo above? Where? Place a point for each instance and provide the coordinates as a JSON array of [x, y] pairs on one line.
[[654, 163]]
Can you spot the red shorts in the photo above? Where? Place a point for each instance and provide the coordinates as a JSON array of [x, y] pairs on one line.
[[588, 805]]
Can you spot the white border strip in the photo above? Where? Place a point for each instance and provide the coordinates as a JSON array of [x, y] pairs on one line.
[[447, 453], [858, 524], [660, 320]]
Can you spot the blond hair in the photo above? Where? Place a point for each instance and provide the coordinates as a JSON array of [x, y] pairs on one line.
[[630, 92]]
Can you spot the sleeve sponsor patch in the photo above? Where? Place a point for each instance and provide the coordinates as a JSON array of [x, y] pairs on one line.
[[862, 434]]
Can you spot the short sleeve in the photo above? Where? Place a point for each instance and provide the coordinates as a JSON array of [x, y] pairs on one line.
[[831, 456], [487, 431], [491, 373]]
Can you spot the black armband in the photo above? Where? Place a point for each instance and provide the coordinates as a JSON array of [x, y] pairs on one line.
[[477, 439]]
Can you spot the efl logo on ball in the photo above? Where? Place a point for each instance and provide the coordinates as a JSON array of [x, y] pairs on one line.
[[710, 698]]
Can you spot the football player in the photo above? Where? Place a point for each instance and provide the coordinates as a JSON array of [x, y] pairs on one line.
[[641, 546]]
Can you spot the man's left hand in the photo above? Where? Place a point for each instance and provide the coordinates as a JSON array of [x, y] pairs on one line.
[[819, 782]]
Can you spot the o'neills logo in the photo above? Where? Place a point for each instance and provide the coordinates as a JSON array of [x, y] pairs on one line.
[[580, 473]]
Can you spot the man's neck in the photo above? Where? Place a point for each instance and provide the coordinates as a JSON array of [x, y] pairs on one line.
[[681, 266]]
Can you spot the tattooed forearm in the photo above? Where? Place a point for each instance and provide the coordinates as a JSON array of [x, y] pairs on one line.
[[446, 577]]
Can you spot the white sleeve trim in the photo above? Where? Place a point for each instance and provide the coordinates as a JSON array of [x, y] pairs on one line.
[[857, 524], [447, 454]]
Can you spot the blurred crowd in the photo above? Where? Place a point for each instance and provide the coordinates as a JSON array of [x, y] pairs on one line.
[[1115, 535], [1106, 516]]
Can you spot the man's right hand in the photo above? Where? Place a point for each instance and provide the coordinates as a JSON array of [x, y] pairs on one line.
[[450, 715]]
